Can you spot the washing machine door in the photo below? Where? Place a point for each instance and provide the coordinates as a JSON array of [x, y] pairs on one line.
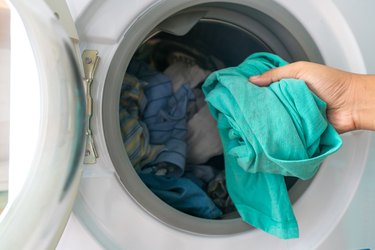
[[39, 207]]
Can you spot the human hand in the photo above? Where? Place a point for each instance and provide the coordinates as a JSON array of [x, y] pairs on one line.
[[333, 86]]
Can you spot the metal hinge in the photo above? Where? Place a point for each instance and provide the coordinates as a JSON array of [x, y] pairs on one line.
[[90, 61]]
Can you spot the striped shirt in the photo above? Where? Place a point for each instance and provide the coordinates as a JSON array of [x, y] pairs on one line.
[[165, 116], [135, 134]]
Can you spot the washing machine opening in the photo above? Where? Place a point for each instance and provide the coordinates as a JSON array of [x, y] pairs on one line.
[[208, 46], [209, 36]]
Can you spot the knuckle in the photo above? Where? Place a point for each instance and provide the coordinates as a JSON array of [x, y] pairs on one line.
[[298, 68], [300, 65]]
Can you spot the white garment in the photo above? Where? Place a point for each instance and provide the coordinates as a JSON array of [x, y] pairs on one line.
[[203, 141], [185, 73]]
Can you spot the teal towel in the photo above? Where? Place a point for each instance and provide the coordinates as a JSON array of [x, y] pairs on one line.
[[267, 133]]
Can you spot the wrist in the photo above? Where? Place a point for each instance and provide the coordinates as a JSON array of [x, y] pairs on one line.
[[364, 102]]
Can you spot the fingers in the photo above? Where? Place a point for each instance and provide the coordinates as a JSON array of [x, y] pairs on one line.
[[265, 78], [261, 80], [273, 75]]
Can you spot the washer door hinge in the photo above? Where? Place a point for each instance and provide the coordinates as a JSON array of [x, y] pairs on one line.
[[90, 61]]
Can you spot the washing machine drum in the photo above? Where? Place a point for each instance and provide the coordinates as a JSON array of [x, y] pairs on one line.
[[180, 60]]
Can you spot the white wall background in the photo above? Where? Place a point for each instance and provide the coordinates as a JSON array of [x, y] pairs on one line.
[[4, 93]]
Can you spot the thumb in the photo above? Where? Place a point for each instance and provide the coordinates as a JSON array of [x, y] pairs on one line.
[[276, 74]]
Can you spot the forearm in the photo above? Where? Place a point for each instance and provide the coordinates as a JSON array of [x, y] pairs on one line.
[[364, 107]]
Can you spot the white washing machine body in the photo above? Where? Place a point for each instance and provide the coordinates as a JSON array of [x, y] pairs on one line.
[[332, 213], [115, 210]]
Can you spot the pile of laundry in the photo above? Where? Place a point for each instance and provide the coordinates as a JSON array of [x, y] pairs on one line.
[[180, 113], [169, 135]]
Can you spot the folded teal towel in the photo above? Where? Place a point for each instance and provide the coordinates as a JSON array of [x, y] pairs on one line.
[[267, 133]]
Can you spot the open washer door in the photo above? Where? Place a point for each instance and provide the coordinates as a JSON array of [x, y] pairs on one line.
[[39, 207]]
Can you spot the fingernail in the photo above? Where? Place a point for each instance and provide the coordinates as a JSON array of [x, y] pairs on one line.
[[254, 78]]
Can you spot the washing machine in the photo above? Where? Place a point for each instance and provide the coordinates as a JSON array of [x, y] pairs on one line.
[[81, 191]]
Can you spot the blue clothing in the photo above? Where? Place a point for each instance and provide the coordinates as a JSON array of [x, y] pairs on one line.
[[218, 192], [182, 194], [165, 117], [268, 132], [134, 132], [204, 173]]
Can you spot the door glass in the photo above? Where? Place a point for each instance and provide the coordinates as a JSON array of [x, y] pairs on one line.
[[19, 104], [25, 105]]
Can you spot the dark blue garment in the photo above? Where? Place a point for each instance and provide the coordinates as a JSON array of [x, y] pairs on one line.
[[201, 174], [182, 194], [165, 116]]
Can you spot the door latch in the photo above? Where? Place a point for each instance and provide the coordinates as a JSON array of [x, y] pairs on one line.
[[90, 61]]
